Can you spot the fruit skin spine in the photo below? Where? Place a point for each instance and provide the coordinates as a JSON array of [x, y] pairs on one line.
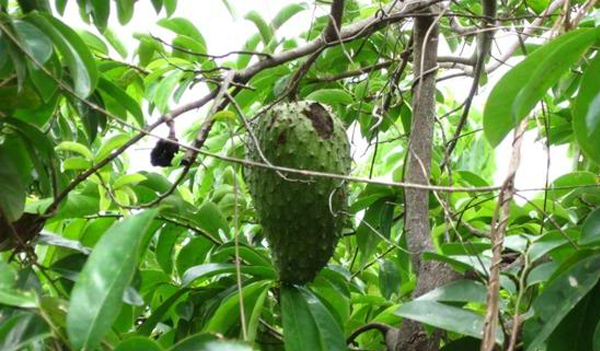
[[294, 210]]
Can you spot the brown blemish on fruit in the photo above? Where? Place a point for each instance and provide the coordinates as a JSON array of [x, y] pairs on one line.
[[320, 119]]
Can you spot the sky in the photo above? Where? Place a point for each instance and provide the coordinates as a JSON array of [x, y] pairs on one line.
[[224, 32]]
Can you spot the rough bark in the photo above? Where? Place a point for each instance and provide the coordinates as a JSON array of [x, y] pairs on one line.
[[411, 336]]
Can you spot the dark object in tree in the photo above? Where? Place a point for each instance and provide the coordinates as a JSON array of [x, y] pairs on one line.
[[163, 153], [301, 216], [26, 228]]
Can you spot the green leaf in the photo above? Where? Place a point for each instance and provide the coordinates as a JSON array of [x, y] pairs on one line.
[[114, 40], [586, 112], [331, 97], [35, 42], [182, 26], [75, 147], [389, 278], [208, 342], [559, 298], [164, 248], [124, 12], [190, 44], [498, 116], [227, 314], [458, 291], [165, 90], [266, 31], [210, 219], [122, 98], [77, 56], [128, 179], [550, 69], [18, 299], [576, 330], [590, 232], [307, 323], [97, 296], [202, 272], [170, 6], [110, 145], [21, 330], [286, 13], [76, 163], [192, 254], [447, 317], [94, 42], [12, 184], [138, 343], [100, 12]]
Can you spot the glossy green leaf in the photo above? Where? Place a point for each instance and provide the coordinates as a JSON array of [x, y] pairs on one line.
[[94, 42], [157, 315], [121, 97], [500, 113], [21, 330], [249, 254], [76, 163], [307, 323], [576, 330], [458, 291], [210, 218], [165, 246], [12, 184], [193, 254], [559, 297], [165, 90], [286, 13], [15, 298], [170, 6], [590, 232], [128, 179], [113, 38], [227, 314], [96, 298], [124, 11], [389, 278], [73, 50], [184, 27], [266, 31], [446, 317], [208, 342], [37, 44], [110, 145], [550, 69], [202, 272], [331, 97], [138, 343], [76, 148], [586, 111], [100, 12]]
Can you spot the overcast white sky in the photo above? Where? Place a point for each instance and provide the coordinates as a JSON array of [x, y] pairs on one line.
[[224, 33]]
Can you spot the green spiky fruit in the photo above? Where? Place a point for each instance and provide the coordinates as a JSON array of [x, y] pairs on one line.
[[300, 215]]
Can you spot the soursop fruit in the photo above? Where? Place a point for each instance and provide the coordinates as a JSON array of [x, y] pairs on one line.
[[299, 214]]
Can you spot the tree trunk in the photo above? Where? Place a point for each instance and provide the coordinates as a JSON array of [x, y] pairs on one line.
[[411, 336]]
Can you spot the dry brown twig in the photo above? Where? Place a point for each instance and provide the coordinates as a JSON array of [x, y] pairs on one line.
[[498, 229]]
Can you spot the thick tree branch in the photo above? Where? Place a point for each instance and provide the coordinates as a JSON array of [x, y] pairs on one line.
[[411, 336], [331, 33], [334, 26]]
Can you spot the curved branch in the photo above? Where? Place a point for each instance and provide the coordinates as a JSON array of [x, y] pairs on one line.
[[382, 328]]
